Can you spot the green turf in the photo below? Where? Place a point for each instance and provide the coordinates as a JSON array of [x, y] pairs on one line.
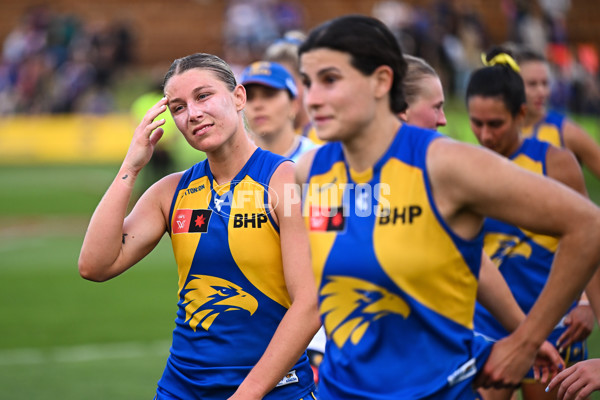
[[48, 314], [126, 378]]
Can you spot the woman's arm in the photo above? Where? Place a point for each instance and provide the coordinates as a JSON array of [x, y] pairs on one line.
[[470, 183], [494, 294], [585, 148], [563, 167], [113, 242], [301, 321], [303, 166]]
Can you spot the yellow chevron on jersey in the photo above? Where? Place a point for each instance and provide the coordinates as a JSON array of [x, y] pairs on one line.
[[550, 134], [197, 195], [249, 208], [350, 304], [537, 166], [326, 191], [443, 281], [529, 164], [549, 129], [548, 242], [545, 133]]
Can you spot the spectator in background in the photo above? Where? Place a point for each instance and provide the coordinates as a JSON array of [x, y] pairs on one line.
[[399, 17], [585, 86], [72, 79], [28, 37], [248, 28], [288, 15], [526, 23], [53, 63], [555, 13]]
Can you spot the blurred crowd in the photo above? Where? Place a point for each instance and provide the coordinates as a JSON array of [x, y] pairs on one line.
[[451, 36], [53, 63]]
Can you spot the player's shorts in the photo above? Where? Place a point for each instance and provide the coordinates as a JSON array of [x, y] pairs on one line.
[[460, 383]]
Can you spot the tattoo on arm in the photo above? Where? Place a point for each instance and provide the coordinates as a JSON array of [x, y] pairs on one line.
[[124, 237], [125, 176]]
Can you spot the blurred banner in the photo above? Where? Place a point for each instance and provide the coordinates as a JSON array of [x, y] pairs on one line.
[[77, 139]]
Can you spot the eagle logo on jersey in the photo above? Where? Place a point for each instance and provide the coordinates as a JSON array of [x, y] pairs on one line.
[[209, 296], [501, 246], [351, 304]]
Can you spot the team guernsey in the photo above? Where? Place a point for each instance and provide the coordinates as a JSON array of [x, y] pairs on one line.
[[523, 257], [397, 314], [550, 129], [232, 292]]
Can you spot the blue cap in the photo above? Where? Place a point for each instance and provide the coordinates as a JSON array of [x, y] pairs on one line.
[[269, 74]]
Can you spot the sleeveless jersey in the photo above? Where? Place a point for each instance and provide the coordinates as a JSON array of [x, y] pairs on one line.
[[396, 286], [549, 130], [524, 257], [232, 292]]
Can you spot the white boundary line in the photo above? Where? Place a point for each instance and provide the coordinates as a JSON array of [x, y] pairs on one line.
[[83, 353]]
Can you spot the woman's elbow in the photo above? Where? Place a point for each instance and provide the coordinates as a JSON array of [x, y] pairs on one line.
[[313, 312], [89, 271]]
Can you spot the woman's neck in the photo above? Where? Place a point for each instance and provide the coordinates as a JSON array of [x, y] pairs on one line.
[[226, 162], [532, 118], [515, 145], [367, 147]]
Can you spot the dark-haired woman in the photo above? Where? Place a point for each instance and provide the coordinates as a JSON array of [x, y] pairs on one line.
[[395, 214], [496, 105]]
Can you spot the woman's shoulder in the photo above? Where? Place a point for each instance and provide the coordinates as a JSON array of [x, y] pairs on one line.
[[167, 185]]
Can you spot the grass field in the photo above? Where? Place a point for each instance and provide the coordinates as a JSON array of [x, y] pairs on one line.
[[66, 338], [63, 337]]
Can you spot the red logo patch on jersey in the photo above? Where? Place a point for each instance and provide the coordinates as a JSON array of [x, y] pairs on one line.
[[191, 221], [325, 219]]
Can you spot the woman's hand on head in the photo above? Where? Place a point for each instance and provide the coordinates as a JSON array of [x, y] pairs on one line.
[[145, 137]]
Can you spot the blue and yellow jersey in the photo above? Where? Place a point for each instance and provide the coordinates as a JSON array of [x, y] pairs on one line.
[[232, 292], [396, 286], [524, 257], [549, 130]]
